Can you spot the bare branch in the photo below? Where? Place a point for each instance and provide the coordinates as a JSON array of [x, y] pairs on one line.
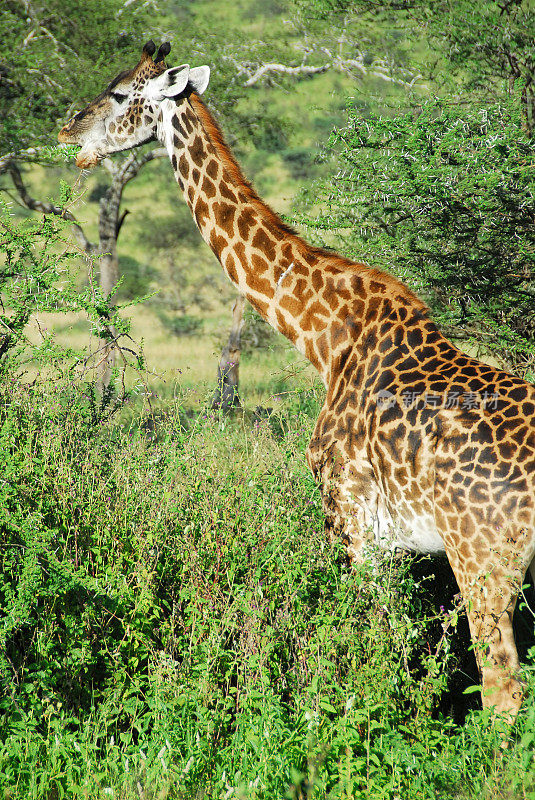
[[28, 38], [120, 223], [131, 168], [43, 76], [144, 4], [349, 66], [31, 154], [303, 70]]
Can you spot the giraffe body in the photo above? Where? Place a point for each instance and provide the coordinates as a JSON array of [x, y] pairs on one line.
[[417, 445]]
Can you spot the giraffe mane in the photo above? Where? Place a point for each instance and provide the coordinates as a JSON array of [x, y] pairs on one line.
[[232, 167], [396, 290]]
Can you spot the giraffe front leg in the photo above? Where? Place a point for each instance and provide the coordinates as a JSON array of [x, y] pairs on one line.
[[349, 502]]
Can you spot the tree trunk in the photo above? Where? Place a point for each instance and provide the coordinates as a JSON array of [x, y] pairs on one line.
[[226, 394], [109, 275]]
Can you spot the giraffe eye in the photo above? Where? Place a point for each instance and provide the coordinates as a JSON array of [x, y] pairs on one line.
[[119, 98]]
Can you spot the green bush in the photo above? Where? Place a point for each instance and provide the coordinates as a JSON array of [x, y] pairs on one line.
[[444, 197], [179, 324], [173, 617]]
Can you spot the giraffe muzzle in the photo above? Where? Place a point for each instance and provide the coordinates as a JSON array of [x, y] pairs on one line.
[[87, 160]]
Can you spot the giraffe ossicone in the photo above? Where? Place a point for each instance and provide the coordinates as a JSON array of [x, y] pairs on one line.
[[417, 445]]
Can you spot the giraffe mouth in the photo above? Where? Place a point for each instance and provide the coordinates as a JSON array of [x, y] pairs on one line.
[[87, 160]]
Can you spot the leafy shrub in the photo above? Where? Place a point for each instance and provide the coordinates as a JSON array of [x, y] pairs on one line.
[[444, 197], [32, 278], [173, 622], [173, 617]]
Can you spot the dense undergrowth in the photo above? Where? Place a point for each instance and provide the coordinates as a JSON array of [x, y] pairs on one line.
[[174, 624]]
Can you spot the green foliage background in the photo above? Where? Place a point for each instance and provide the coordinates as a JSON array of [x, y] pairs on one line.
[[449, 199]]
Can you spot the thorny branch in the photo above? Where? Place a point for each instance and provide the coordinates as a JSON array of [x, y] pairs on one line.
[[44, 207], [349, 66]]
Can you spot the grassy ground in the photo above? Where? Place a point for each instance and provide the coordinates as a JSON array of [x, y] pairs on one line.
[[186, 365]]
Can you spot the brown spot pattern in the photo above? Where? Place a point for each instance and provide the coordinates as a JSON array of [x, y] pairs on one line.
[[224, 216], [262, 242]]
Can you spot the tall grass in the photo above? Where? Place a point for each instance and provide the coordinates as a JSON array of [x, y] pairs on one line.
[[175, 625]]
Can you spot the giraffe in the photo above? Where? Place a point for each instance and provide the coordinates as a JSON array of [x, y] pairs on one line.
[[417, 446]]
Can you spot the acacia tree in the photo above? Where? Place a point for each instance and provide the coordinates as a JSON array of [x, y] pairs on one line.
[[58, 52], [446, 200]]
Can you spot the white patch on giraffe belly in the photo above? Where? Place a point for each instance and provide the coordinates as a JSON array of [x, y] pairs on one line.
[[419, 535]]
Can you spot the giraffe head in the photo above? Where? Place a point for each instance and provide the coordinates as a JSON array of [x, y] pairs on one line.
[[126, 113]]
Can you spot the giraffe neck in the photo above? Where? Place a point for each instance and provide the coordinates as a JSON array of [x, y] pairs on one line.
[[262, 256], [322, 302]]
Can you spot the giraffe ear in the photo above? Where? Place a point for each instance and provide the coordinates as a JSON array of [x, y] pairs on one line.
[[172, 82], [199, 77]]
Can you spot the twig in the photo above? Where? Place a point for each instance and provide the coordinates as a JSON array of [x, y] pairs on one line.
[[44, 207]]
